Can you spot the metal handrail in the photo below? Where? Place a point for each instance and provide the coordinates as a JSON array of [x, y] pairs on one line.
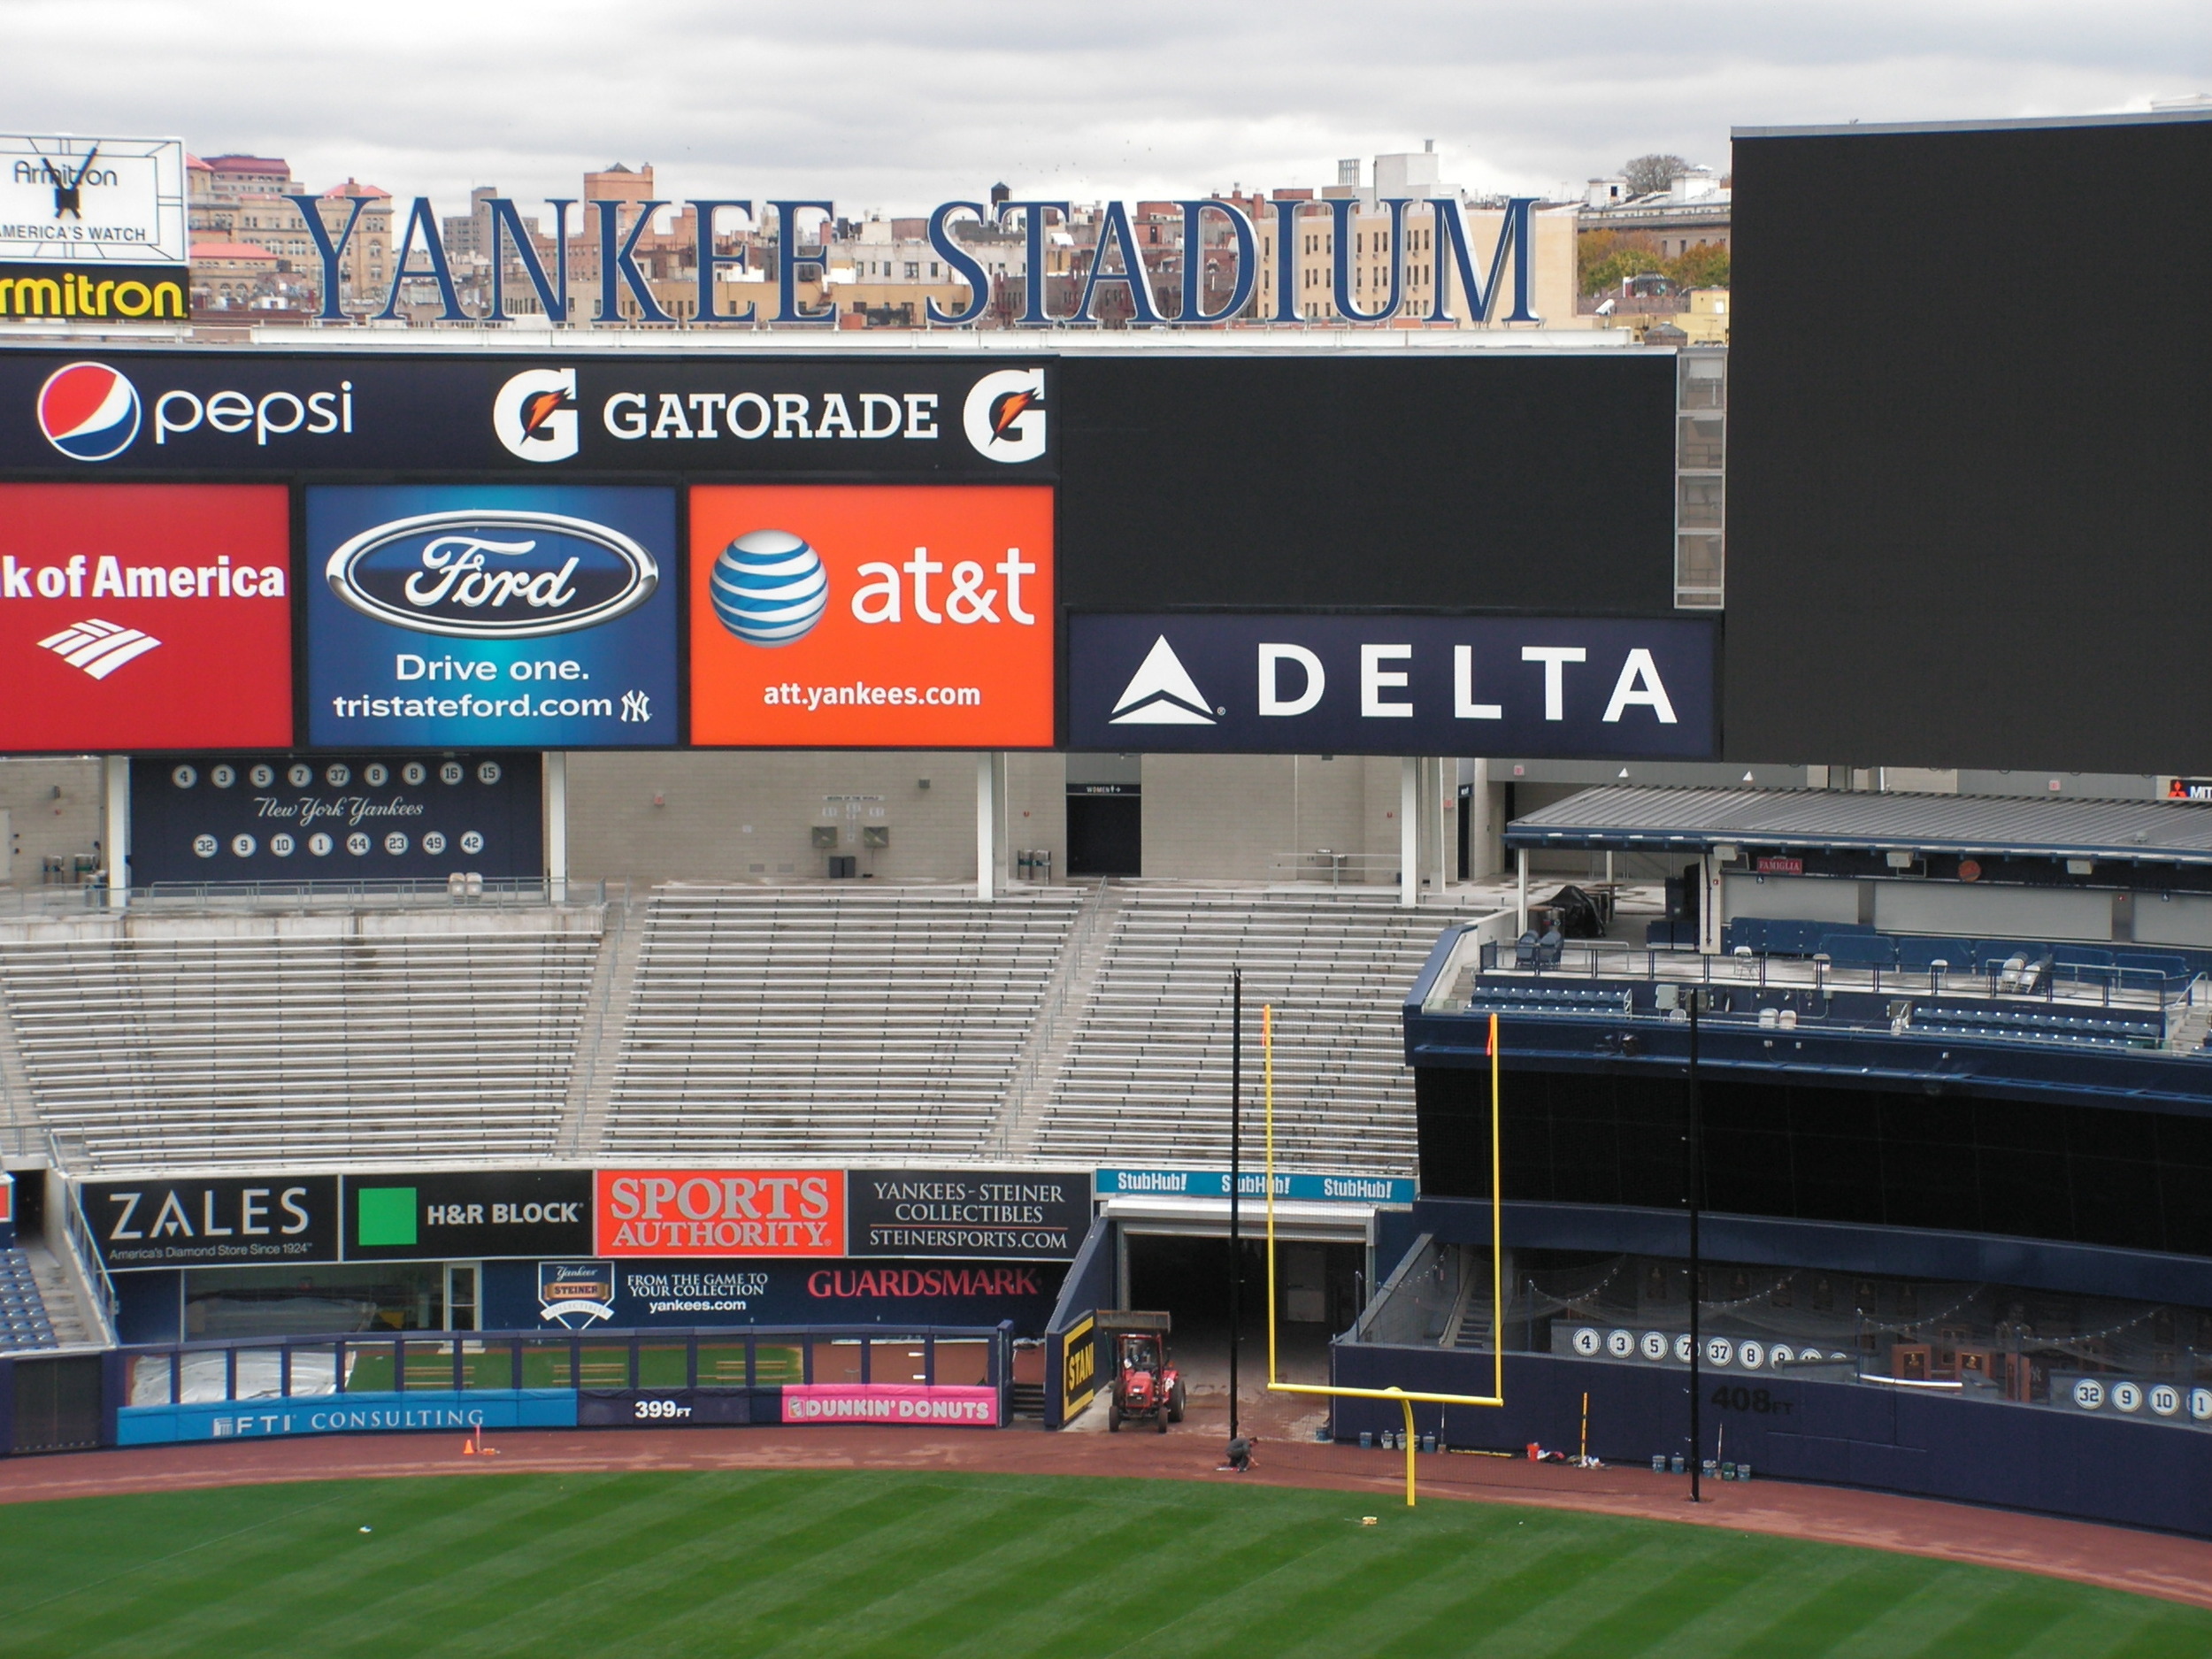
[[426, 892]]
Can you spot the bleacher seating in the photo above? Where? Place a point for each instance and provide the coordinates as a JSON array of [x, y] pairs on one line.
[[1146, 1077], [1997, 1022], [212, 1042], [822, 1024], [1508, 997], [23, 1321]]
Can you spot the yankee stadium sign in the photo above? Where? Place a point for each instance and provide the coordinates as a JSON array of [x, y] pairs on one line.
[[1494, 282]]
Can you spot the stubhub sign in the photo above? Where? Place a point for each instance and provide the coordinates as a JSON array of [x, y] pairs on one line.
[[1392, 684]]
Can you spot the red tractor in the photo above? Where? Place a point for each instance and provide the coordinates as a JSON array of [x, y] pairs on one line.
[[1146, 1386]]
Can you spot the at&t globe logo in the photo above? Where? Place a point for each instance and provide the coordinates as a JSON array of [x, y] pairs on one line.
[[768, 588], [88, 412]]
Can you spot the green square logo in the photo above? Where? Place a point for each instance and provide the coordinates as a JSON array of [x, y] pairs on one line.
[[386, 1215]]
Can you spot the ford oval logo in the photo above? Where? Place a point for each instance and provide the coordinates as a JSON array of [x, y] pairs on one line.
[[493, 574]]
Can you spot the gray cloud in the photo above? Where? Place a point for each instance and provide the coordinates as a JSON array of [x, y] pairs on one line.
[[898, 107]]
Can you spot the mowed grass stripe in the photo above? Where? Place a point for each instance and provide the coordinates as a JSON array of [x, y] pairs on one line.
[[877, 1565], [1099, 1566], [1849, 1597], [856, 1586], [555, 1566]]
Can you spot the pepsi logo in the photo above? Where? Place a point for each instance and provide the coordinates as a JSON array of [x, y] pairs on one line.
[[768, 588], [88, 412]]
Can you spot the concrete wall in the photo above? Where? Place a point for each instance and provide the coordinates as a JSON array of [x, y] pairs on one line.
[[1244, 816], [741, 815], [53, 810]]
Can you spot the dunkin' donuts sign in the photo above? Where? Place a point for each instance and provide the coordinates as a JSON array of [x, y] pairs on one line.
[[719, 1212]]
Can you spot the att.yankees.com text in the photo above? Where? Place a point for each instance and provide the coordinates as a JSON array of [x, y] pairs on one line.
[[860, 694]]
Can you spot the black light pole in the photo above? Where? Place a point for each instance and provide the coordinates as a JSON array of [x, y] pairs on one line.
[[1236, 1172], [1697, 1197]]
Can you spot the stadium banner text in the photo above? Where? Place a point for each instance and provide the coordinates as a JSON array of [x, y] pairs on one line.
[[388, 817], [872, 615], [145, 616], [1296, 683], [287, 413], [97, 207], [466, 1214], [456, 616], [1340, 1189], [663, 1292], [719, 1212], [213, 1221], [974, 1215]]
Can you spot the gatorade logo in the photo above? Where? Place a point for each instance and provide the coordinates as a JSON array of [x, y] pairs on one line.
[[88, 412]]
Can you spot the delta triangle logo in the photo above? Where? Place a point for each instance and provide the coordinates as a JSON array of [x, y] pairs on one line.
[[1162, 693]]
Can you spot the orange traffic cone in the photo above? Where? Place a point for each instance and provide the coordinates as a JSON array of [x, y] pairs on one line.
[[468, 1448]]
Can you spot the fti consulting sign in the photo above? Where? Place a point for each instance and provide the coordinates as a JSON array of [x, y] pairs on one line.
[[474, 617], [144, 616], [389, 816], [872, 615]]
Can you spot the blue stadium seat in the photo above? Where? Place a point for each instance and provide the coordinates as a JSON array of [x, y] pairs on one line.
[[1858, 951], [1917, 954]]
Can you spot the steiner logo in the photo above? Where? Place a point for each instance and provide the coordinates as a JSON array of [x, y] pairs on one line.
[[1004, 416], [533, 417], [493, 574], [88, 412]]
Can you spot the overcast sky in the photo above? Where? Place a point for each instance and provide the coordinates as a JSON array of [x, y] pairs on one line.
[[898, 107]]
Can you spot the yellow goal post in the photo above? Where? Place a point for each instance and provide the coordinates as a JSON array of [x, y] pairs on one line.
[[1406, 1398]]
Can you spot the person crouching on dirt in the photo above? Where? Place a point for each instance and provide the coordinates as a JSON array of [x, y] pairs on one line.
[[1240, 1455]]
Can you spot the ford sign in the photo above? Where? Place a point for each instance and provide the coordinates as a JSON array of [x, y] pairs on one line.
[[493, 574]]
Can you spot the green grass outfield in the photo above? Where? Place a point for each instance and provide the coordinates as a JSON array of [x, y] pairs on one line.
[[855, 1563]]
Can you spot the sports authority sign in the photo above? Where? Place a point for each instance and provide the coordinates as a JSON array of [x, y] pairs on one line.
[[278, 413], [138, 617], [872, 615], [719, 1212]]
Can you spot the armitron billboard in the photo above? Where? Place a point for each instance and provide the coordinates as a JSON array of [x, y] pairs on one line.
[[138, 617], [872, 615], [719, 1212]]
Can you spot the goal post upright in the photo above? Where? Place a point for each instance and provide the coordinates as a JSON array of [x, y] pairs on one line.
[[1406, 1397]]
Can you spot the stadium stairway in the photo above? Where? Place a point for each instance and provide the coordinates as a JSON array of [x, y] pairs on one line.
[[1144, 1073], [599, 1037], [1066, 999], [830, 1025]]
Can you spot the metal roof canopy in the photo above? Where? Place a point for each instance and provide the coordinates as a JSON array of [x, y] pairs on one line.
[[1631, 819]]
